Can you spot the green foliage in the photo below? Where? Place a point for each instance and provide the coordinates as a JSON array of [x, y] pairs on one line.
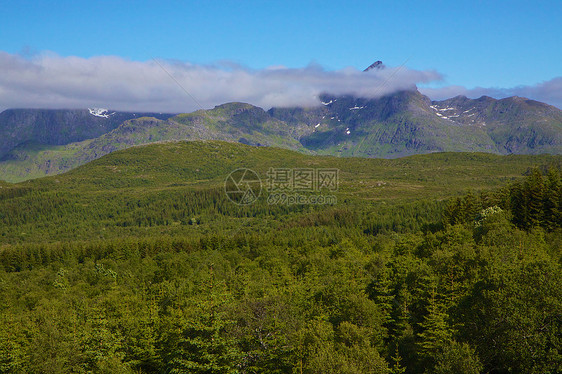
[[106, 269], [516, 309], [436, 333], [344, 350], [457, 358], [197, 340], [534, 202], [396, 367]]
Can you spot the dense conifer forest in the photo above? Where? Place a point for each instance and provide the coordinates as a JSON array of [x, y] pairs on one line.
[[139, 263]]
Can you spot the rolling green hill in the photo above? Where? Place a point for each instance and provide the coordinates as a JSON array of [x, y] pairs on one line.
[[104, 193]]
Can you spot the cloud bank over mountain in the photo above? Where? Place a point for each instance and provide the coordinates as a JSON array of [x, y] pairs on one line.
[[52, 81], [48, 80]]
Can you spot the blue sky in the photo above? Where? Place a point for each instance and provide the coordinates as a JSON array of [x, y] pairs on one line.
[[471, 44]]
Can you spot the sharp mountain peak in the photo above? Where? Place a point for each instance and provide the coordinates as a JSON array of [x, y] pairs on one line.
[[377, 65]]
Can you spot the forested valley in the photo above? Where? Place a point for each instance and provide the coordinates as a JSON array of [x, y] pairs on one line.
[[136, 263]]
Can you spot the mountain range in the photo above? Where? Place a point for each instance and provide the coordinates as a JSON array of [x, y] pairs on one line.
[[37, 142]]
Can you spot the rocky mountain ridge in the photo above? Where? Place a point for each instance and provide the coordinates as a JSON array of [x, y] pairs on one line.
[[40, 142]]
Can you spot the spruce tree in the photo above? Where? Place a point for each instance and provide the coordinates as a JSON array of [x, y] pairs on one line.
[[551, 201], [534, 189], [435, 330]]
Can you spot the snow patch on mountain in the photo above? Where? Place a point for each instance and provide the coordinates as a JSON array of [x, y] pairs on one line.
[[100, 112]]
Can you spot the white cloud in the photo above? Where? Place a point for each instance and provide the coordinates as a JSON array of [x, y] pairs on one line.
[[48, 80], [51, 81], [549, 92]]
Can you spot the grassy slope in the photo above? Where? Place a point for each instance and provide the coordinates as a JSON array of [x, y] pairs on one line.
[[159, 165], [230, 122], [31, 160], [184, 180]]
